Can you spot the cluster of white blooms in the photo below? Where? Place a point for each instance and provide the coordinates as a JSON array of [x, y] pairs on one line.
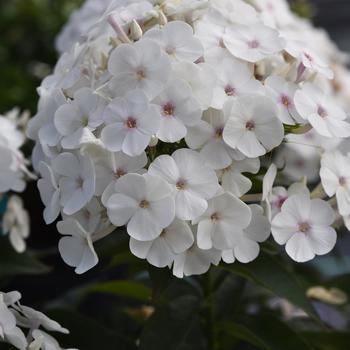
[[14, 317], [163, 114], [13, 175]]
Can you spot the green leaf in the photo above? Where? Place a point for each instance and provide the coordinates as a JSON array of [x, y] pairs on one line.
[[328, 340], [266, 332], [87, 334], [270, 273], [13, 263], [241, 332], [174, 326], [127, 289]]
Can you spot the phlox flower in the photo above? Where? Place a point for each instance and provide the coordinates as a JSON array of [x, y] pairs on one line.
[[304, 225], [76, 248], [192, 181], [246, 247], [253, 127], [77, 120], [222, 222], [131, 121], [140, 66], [161, 252], [177, 40], [144, 203]]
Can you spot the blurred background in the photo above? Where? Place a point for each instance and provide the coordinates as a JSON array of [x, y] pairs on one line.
[[27, 54]]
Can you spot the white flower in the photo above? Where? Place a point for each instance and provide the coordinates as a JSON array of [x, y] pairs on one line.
[[178, 109], [49, 193], [193, 182], [222, 222], [139, 66], [11, 176], [304, 225], [161, 252], [232, 179], [252, 42], [195, 261], [235, 78], [282, 92], [278, 195], [201, 78], [144, 203], [177, 40], [77, 181], [90, 216], [114, 166], [296, 165], [308, 58], [335, 176], [42, 126], [246, 248], [268, 180], [77, 120], [76, 248], [16, 223], [10, 136], [322, 113], [207, 135], [253, 127], [131, 121], [8, 330], [44, 341]]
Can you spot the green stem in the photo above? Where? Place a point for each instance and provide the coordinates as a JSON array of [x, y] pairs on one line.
[[209, 311]]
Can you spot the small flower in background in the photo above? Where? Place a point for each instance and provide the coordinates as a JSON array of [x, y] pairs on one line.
[[16, 319]]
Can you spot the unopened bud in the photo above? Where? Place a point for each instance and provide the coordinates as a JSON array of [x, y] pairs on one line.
[[162, 19], [153, 142], [135, 30]]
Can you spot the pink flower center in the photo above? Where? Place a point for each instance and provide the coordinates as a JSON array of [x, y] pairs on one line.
[[218, 132], [342, 181], [215, 217], [144, 204], [304, 227], [253, 44], [140, 74], [170, 50], [286, 101], [181, 184], [322, 112], [279, 201], [79, 182], [119, 173], [250, 125], [230, 90], [131, 123], [168, 109]]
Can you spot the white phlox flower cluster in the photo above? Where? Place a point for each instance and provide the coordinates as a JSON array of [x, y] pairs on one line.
[[14, 220], [26, 328], [162, 116]]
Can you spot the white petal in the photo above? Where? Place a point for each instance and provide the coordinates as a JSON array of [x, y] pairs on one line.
[[299, 249]]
